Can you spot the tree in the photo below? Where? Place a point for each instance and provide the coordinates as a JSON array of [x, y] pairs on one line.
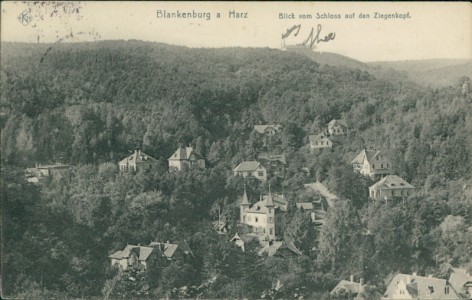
[[343, 181], [339, 236], [455, 241]]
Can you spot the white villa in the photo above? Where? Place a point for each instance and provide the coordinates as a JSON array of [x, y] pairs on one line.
[[390, 187]]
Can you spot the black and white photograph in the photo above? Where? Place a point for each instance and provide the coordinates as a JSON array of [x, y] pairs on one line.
[[236, 150]]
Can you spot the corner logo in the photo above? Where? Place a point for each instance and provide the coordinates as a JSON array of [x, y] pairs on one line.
[[25, 18]]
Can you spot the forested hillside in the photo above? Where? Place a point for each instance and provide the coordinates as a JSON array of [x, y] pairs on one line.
[[431, 72], [89, 104]]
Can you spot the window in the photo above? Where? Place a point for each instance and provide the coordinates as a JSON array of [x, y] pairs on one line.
[[271, 231], [373, 166], [257, 220], [446, 290], [430, 289], [322, 142], [244, 218], [260, 173], [270, 210], [270, 219], [387, 166], [381, 166]]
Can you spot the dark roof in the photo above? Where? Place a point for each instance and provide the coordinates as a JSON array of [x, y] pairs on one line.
[[261, 206], [169, 249]]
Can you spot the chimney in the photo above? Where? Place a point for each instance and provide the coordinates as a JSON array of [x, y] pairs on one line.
[[408, 279], [352, 278], [361, 282], [414, 274]]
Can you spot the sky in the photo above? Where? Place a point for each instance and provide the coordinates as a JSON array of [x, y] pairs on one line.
[[429, 29]]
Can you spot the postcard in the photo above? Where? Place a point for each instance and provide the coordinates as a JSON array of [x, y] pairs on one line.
[[236, 150]]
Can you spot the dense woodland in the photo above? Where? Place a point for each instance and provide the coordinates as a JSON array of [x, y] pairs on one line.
[[89, 104]]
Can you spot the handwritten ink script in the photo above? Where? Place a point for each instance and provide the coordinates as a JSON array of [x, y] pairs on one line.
[[313, 38]]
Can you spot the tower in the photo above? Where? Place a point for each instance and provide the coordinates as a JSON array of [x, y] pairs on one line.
[[270, 229], [244, 206]]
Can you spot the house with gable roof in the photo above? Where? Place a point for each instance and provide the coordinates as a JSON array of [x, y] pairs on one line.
[[131, 257], [33, 175], [269, 130], [307, 207], [349, 288], [137, 161], [372, 163], [251, 169], [337, 127], [405, 286], [278, 248], [267, 216], [319, 141], [139, 256], [274, 163], [461, 282], [40, 172], [186, 158], [390, 187]]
